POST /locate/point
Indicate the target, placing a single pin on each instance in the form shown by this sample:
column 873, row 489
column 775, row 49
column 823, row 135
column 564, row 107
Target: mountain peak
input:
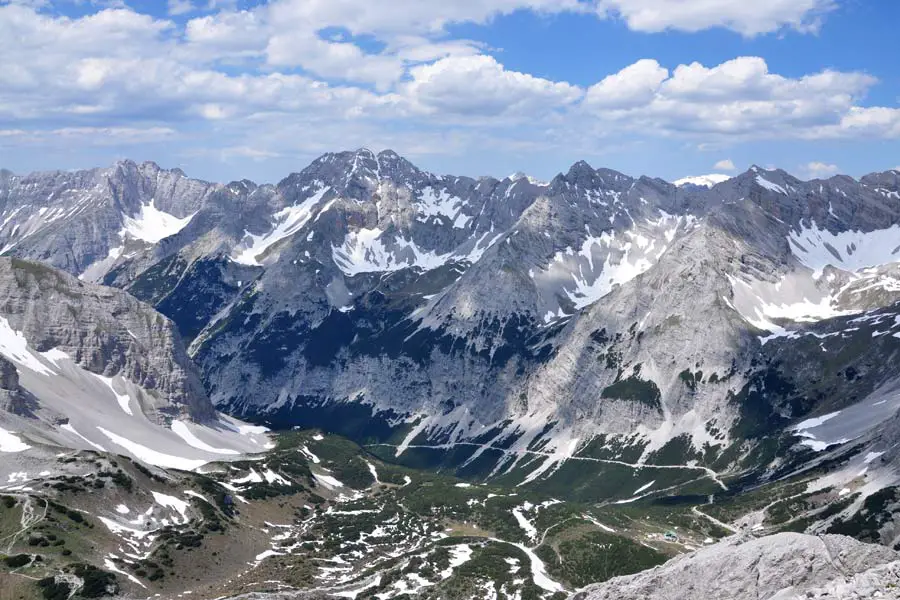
column 580, row 170
column 580, row 166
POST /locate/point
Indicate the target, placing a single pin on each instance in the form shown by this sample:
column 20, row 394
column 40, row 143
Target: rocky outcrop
column 9, row 377
column 103, row 330
column 786, row 566
column 12, row 398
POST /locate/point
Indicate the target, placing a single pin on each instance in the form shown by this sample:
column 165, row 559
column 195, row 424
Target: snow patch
column 644, row 488
column 99, row 268
column 153, row 225
column 706, row 181
column 151, row 456
column 176, row 504
column 433, row 204
column 459, row 555
column 109, row 565
column 124, row 400
column 288, row 221
column 10, row 442
column 180, row 428
column 814, row 422
column 773, row 187
column 308, row 454
column 14, row 346
column 818, row 248
column 366, row 251
column 328, row 481
column 68, row 427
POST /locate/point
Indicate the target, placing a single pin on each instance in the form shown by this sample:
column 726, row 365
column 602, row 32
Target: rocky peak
column 580, row 171
column 397, row 168
column 585, row 179
column 888, row 180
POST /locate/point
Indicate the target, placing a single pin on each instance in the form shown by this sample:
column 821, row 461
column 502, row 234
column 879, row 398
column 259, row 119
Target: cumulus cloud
column 747, row 18
column 265, row 80
column 819, row 170
column 741, row 97
column 725, row 165
column 635, row 85
column 860, row 122
column 328, row 59
column 479, row 85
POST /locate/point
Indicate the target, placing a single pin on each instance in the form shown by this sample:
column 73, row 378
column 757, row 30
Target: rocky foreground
column 786, row 566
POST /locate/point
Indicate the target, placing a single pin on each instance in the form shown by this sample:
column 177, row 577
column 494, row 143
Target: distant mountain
column 503, row 327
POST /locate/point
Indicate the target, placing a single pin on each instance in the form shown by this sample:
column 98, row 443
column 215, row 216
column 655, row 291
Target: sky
column 256, row 89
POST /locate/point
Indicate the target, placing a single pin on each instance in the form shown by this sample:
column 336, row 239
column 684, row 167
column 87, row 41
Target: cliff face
column 103, row 330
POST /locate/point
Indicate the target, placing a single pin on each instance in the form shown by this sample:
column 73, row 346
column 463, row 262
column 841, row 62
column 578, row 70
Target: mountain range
column 627, row 317
column 525, row 370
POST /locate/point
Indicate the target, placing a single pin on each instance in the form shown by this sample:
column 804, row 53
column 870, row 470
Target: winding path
column 706, row 470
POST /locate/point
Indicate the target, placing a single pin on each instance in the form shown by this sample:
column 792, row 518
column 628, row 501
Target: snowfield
column 152, row 225
column 106, row 414
column 10, row 442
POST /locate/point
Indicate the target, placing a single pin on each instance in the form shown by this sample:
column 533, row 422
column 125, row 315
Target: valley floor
column 321, row 515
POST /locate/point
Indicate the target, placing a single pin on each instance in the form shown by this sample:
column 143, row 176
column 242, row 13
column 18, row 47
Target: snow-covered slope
column 90, row 368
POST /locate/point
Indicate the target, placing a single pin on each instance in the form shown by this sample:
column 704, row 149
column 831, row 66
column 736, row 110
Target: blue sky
column 229, row 89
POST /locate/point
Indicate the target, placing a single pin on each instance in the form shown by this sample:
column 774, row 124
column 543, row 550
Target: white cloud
column 341, row 60
column 820, row 170
column 860, row 122
column 384, row 19
column 479, row 85
column 180, row 7
column 269, row 82
column 725, row 165
column 91, row 135
column 742, row 98
column 28, row 3
column 415, row 49
column 746, row 18
column 253, row 153
column 635, row 85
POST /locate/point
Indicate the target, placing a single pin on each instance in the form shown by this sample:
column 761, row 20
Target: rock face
column 367, row 296
column 786, row 566
column 9, row 377
column 89, row 367
column 12, row 399
column 103, row 330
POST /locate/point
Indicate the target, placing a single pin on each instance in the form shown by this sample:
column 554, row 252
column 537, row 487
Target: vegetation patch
column 633, row 389
column 597, row 556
